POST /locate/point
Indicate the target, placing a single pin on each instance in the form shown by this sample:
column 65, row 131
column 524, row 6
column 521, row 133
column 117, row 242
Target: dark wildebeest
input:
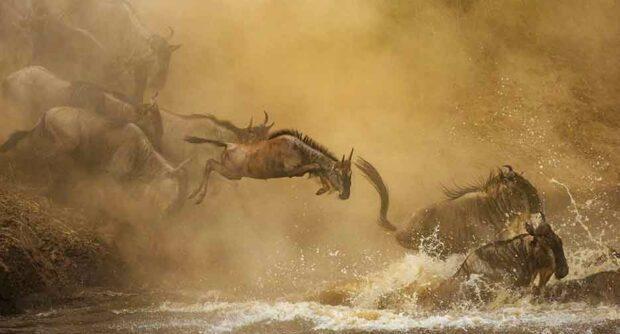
column 118, row 27
column 251, row 133
column 286, row 153
column 519, row 260
column 513, row 263
column 36, row 90
column 66, row 135
column 471, row 216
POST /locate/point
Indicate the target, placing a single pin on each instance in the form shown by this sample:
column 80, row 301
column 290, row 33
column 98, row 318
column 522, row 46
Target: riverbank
column 47, row 251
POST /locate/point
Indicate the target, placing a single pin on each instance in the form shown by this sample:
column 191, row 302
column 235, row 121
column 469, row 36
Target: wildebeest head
column 161, row 51
column 544, row 236
column 340, row 177
column 518, row 183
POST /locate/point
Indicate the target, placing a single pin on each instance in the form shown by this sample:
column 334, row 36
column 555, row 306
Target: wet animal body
column 286, row 153
column 470, row 216
column 66, row 136
column 519, row 260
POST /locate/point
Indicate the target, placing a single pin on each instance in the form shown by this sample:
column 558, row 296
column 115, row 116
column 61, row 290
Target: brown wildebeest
column 36, row 90
column 249, row 134
column 470, row 217
column 286, row 153
column 64, row 136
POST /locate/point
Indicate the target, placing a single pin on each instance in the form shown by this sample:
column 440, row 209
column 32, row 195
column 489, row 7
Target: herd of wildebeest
column 84, row 89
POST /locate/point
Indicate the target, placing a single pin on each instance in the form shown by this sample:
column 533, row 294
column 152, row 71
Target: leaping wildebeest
column 285, row 153
column 470, row 216
column 66, row 136
column 36, row 90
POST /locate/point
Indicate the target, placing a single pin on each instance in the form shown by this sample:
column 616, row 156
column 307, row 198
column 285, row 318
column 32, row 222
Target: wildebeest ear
column 529, row 229
column 174, row 47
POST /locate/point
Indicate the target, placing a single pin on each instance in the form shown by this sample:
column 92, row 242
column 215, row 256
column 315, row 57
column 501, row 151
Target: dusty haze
column 431, row 92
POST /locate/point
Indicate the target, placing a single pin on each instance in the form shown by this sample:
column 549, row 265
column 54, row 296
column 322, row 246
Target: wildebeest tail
column 14, row 138
column 199, row 140
column 372, row 175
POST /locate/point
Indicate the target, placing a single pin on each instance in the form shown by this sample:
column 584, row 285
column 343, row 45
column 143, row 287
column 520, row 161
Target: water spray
column 578, row 215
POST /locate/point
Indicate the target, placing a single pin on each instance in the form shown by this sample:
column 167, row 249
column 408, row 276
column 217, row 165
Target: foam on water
column 507, row 311
column 227, row 317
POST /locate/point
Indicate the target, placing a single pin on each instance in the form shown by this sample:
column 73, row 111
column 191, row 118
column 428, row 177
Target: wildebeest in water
column 285, row 153
column 512, row 263
column 36, row 90
column 519, row 260
column 470, row 216
column 65, row 137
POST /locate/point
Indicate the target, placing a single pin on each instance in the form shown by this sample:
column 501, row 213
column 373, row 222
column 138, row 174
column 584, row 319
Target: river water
column 104, row 311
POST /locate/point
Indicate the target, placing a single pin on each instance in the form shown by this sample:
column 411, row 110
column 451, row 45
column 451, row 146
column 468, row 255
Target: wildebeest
column 511, row 263
column 36, row 90
column 285, row 153
column 249, row 134
column 117, row 26
column 519, row 260
column 66, row 135
column 470, row 217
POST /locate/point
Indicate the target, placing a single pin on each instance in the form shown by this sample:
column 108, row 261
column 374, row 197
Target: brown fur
column 469, row 217
column 285, row 153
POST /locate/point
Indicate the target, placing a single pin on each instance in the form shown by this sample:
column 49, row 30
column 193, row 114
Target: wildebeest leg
column 324, row 188
column 543, row 277
column 212, row 165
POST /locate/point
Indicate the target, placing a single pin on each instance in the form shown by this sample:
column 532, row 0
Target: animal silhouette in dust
column 67, row 137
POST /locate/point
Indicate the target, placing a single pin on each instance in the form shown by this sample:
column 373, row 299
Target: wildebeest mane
column 457, row 191
column 305, row 139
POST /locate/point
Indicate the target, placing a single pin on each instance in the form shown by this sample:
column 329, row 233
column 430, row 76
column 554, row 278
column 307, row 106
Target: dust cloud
column 431, row 92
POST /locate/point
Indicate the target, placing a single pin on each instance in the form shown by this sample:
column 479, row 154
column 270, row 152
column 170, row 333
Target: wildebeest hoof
column 321, row 191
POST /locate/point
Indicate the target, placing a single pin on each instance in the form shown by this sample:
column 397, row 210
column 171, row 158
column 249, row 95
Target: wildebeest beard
column 469, row 217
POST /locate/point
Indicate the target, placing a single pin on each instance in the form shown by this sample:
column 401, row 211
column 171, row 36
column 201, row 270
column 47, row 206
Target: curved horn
column 171, row 33
column 508, row 167
column 266, row 117
column 372, row 175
